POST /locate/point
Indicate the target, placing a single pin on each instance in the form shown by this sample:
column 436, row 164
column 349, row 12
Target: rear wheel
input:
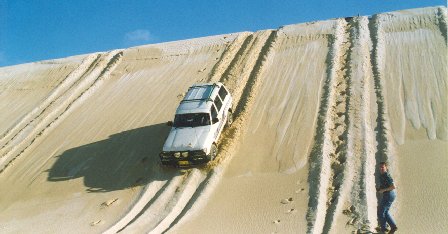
column 229, row 119
column 213, row 152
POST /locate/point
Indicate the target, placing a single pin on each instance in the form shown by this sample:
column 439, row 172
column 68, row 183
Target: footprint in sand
column 276, row 221
column 292, row 210
column 108, row 203
column 300, row 190
column 286, row 200
column 94, row 223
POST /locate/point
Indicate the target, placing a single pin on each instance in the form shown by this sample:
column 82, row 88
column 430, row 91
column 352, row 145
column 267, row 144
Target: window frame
column 211, row 112
column 224, row 91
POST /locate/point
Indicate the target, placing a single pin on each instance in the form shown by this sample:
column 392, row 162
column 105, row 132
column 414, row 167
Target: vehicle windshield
column 191, row 120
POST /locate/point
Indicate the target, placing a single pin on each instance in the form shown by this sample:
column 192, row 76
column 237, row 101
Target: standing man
column 387, row 189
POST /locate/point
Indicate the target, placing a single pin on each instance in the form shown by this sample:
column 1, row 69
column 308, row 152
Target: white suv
column 200, row 118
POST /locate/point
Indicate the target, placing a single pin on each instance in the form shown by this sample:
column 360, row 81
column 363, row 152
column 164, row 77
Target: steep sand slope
column 317, row 106
column 412, row 66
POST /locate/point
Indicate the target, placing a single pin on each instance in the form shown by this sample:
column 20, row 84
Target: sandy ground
column 317, row 106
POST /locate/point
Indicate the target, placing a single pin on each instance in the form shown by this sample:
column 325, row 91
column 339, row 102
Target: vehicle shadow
column 124, row 160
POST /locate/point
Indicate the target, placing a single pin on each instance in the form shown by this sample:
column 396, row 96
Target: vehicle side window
column 214, row 112
column 222, row 92
column 218, row 103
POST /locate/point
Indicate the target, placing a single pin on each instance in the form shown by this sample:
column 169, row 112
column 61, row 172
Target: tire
column 213, row 152
column 229, row 119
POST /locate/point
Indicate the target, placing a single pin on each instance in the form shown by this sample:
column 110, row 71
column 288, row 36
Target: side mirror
column 215, row 120
column 169, row 123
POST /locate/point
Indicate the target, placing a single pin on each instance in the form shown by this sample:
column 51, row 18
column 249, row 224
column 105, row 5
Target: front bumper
column 193, row 158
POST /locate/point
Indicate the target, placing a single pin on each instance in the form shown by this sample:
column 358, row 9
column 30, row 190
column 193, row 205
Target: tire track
column 164, row 207
column 228, row 57
column 339, row 132
column 361, row 141
column 61, row 106
column 383, row 136
column 151, row 192
column 182, row 199
column 160, row 203
column 237, row 74
column 367, row 178
column 170, row 207
column 237, row 60
column 377, row 55
column 327, row 158
column 60, row 89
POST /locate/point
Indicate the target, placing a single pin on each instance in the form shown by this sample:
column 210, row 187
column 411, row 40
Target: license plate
column 184, row 163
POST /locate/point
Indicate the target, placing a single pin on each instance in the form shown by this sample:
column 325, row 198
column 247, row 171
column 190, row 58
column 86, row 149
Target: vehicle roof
column 199, row 98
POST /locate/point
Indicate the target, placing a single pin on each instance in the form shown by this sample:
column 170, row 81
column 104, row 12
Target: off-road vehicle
column 198, row 123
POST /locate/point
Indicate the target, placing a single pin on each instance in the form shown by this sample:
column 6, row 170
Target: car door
column 215, row 128
column 220, row 112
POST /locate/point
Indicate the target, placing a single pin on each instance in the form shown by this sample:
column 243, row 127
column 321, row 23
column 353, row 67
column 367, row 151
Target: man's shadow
column 124, row 160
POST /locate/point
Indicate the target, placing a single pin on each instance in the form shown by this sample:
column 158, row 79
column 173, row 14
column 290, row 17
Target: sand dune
column 317, row 106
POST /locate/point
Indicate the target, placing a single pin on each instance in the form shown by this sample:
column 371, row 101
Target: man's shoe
column 378, row 229
column 393, row 229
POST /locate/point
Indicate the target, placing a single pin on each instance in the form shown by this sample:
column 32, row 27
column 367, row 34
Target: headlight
column 177, row 154
column 184, row 154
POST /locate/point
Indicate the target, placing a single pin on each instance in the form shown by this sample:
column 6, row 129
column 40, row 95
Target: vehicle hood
column 186, row 139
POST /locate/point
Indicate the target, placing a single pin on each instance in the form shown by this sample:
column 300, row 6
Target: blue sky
column 34, row 30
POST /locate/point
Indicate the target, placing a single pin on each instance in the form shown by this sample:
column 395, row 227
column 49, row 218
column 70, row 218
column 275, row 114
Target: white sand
column 317, row 106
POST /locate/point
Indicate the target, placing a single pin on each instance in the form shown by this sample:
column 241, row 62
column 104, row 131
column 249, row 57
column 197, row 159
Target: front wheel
column 213, row 152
